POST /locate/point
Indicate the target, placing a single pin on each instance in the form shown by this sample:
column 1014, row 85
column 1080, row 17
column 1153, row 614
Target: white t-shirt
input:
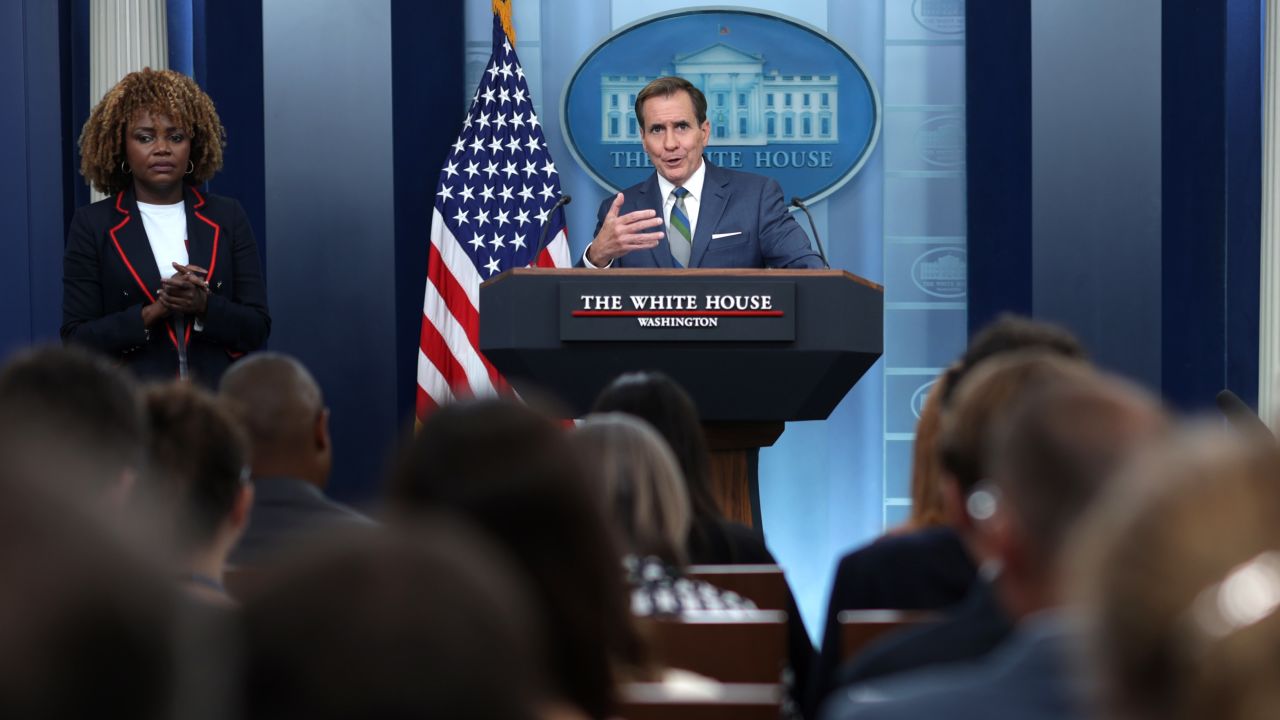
column 166, row 227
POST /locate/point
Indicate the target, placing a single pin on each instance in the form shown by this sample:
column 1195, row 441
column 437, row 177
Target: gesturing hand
column 186, row 292
column 621, row 234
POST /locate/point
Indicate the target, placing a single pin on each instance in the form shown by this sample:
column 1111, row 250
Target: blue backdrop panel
column 1212, row 196
column 330, row 216
column 227, row 62
column 1096, row 184
column 1243, row 133
column 426, row 75
column 998, row 112
column 32, row 188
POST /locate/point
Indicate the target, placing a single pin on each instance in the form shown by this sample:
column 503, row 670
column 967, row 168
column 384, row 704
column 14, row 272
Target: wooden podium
column 754, row 348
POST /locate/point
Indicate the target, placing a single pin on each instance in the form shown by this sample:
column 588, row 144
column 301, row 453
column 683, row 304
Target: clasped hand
column 186, row 292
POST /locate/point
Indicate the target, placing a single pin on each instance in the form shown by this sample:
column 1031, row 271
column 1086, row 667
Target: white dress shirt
column 692, row 202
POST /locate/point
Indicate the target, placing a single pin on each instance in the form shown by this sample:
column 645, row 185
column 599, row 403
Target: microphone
column 542, row 236
column 1240, row 416
column 795, row 202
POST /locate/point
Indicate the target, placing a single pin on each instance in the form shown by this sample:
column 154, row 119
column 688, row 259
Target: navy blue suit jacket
column 1029, row 677
column 927, row 569
column 745, row 212
column 978, row 625
column 109, row 273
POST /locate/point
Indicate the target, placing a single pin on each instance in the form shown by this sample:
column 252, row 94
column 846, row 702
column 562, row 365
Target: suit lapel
column 130, row 240
column 203, row 234
column 651, row 198
column 715, row 198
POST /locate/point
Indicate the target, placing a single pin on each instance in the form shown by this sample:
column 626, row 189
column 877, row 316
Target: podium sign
column 646, row 311
column 755, row 367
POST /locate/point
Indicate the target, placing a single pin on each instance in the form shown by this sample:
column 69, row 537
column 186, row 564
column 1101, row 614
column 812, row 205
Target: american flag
column 495, row 195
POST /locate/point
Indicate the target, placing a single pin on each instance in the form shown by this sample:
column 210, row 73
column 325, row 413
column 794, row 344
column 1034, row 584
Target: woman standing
column 161, row 275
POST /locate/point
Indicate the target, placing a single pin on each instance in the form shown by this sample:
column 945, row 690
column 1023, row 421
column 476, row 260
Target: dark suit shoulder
column 925, row 569
column 219, row 204
column 736, row 178
column 977, row 626
column 722, row 542
column 98, row 213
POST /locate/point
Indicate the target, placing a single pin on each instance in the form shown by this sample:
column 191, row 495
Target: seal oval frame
column 821, row 193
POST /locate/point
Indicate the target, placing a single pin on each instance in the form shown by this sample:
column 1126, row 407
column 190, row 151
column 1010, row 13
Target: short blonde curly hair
column 165, row 92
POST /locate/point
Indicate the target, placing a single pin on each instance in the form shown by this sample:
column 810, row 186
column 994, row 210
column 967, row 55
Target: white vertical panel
column 1269, row 312
column 124, row 36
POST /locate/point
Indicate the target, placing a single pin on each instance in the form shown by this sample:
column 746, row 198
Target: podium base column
column 735, row 458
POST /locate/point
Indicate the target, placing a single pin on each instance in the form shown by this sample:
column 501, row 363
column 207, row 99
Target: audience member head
column 1179, row 575
column 661, row 402
column 86, row 619
column 284, row 416
column 198, row 479
column 429, row 623
column 986, row 397
column 511, row 472
column 642, row 490
column 1010, row 333
column 1049, row 460
column 928, row 506
column 72, row 415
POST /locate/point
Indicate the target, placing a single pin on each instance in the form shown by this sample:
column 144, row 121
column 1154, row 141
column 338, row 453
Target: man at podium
column 691, row 213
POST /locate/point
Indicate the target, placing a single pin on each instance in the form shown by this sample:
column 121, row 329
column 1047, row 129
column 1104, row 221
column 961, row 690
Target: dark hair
column 661, row 402
column 165, row 92
column 640, row 485
column 432, row 623
column 276, row 399
column 1008, row 333
column 67, row 405
column 87, row 619
column 667, row 86
column 510, row 471
column 198, row 459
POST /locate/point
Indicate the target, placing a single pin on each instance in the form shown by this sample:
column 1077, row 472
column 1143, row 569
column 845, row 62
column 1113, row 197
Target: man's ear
column 242, row 506
column 321, row 430
column 119, row 492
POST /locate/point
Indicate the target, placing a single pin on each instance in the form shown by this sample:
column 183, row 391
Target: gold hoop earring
column 191, row 167
column 124, row 167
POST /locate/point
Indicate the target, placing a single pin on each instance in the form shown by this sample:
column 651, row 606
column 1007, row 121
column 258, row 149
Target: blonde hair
column 985, row 397
column 1151, row 571
column 640, row 482
column 927, row 507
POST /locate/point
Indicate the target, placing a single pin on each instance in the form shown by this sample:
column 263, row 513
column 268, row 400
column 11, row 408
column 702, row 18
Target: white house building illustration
column 745, row 106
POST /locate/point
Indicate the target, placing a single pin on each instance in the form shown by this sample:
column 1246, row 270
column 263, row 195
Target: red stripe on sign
column 680, row 313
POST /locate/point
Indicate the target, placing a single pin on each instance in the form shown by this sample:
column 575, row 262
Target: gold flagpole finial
column 503, row 9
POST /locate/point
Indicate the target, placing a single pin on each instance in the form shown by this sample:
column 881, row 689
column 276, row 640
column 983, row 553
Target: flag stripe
column 494, row 197
column 457, row 300
column 436, row 312
column 436, row 348
column 434, row 388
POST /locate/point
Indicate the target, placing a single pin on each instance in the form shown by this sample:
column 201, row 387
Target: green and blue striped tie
column 679, row 236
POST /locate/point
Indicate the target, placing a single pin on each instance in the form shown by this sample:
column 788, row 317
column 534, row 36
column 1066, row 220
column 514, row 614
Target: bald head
column 283, row 412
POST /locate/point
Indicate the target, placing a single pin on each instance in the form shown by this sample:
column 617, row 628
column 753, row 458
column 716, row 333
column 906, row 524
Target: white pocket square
column 717, row 236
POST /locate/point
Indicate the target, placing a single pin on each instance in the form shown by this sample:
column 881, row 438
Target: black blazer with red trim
column 109, row 273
